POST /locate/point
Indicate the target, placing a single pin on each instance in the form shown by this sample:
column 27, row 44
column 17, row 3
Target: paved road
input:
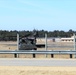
column 37, row 62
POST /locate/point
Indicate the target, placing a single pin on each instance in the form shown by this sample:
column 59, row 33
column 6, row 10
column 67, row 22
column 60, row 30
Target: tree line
column 6, row 35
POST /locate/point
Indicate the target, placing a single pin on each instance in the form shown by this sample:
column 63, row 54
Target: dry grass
column 10, row 45
column 22, row 70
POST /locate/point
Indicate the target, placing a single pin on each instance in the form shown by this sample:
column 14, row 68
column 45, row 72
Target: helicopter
column 29, row 43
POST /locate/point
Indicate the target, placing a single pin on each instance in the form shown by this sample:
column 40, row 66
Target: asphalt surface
column 37, row 62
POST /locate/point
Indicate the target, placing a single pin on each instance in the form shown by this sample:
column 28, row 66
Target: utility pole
column 17, row 41
column 17, row 44
column 75, row 44
column 46, row 43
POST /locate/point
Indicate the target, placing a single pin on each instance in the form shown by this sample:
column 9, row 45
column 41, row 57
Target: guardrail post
column 70, row 55
column 52, row 55
column 15, row 55
column 33, row 55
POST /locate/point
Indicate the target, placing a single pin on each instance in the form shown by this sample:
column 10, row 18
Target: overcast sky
column 38, row 14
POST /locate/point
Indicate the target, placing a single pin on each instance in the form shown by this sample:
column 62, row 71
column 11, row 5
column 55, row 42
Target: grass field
column 10, row 45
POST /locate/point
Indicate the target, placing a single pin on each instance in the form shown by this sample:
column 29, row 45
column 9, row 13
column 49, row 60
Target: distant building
column 70, row 39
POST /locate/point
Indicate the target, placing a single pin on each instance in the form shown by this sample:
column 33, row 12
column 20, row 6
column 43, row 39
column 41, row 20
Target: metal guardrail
column 52, row 52
column 37, row 52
